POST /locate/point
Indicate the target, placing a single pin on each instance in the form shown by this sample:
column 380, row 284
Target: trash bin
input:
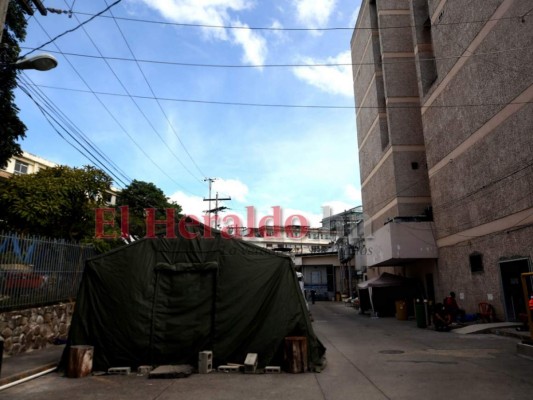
column 401, row 310
column 420, row 314
column 338, row 296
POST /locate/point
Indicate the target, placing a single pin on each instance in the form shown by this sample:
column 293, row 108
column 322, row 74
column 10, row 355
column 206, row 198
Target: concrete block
column 228, row 368
column 205, row 362
column 250, row 364
column 272, row 370
column 119, row 371
column 171, row 372
column 144, row 369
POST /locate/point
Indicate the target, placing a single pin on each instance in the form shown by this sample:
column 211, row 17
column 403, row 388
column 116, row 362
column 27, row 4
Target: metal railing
column 36, row 271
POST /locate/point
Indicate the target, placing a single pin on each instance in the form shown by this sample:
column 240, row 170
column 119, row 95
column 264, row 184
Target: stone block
column 205, row 362
column 250, row 364
column 119, row 371
column 229, row 368
column 144, row 369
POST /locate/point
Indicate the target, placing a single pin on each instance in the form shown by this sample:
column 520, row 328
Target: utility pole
column 3, row 14
column 217, row 208
column 210, row 180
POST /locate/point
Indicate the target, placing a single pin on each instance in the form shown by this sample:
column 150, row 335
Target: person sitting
column 441, row 318
column 457, row 314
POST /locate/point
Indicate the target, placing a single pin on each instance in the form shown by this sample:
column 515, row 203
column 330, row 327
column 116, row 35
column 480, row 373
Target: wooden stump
column 80, row 361
column 296, row 354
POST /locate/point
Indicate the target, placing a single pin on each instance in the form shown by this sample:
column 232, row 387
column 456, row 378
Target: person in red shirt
column 451, row 306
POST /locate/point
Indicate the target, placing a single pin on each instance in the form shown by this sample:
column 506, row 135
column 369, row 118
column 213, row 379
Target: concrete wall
column 34, row 328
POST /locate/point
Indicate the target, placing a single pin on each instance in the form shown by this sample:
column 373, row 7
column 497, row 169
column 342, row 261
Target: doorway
column 513, row 297
column 182, row 314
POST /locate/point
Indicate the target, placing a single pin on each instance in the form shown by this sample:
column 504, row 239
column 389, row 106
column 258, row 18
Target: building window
column 476, row 262
column 21, row 167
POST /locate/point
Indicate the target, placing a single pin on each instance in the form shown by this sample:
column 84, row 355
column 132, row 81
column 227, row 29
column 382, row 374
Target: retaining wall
column 35, row 328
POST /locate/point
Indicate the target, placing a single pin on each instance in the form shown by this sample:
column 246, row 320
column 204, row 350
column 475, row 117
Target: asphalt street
column 367, row 359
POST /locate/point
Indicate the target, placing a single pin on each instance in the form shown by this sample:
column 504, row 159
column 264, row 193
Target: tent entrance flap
column 183, row 312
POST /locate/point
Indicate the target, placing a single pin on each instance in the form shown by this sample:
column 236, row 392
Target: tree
column 140, row 195
column 56, row 202
column 11, row 128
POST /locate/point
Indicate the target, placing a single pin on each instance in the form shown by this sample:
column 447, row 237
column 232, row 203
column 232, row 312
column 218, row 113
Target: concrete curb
column 25, row 374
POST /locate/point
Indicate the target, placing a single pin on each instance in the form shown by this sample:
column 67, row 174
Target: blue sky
column 298, row 158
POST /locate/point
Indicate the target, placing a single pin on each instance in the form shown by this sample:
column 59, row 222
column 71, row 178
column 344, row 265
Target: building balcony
column 400, row 242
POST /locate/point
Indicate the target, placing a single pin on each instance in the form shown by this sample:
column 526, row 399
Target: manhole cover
column 392, row 351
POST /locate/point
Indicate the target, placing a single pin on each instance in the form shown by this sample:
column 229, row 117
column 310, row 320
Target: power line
column 115, row 119
column 49, row 117
column 153, row 94
column 72, row 30
column 294, row 29
column 142, row 113
column 61, row 115
column 274, row 105
column 284, row 65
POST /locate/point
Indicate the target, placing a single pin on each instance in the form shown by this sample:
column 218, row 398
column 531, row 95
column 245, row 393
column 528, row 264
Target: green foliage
column 140, row 195
column 55, row 202
column 12, row 128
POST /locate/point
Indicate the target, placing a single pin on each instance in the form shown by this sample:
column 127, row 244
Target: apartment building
column 29, row 163
column 444, row 93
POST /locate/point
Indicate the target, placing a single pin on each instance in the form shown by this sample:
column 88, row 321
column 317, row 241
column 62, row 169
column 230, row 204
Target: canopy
column 387, row 280
column 161, row 301
column 380, row 293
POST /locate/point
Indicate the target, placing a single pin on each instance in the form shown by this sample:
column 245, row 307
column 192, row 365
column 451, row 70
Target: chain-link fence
column 35, row 271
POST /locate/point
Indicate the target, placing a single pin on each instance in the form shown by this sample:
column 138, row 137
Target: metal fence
column 36, row 271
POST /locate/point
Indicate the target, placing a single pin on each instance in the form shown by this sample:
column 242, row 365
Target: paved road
column 367, row 359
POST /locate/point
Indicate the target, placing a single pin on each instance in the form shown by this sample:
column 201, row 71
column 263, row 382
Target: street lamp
column 41, row 62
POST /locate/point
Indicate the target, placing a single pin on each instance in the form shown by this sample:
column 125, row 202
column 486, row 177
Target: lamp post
column 41, row 62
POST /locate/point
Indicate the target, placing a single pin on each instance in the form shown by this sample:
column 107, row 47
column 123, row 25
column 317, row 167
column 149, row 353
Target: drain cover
column 392, row 351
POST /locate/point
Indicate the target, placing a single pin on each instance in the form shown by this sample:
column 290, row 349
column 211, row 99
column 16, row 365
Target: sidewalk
column 21, row 366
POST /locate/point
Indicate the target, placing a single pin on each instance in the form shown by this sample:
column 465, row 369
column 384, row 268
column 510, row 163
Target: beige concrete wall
column 454, row 269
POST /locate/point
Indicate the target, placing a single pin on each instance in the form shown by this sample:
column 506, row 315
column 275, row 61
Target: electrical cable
column 274, row 105
column 153, row 94
column 116, row 120
column 57, row 111
column 49, row 117
column 296, row 29
column 142, row 113
column 71, row 30
column 286, row 65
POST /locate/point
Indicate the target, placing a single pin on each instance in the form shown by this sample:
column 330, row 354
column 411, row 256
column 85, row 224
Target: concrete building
column 29, row 163
column 289, row 239
column 444, row 92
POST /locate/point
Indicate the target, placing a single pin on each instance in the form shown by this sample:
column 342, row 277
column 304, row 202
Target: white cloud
column 354, row 194
column 230, row 187
column 314, row 13
column 253, row 44
column 334, row 80
column 216, row 12
column 191, row 205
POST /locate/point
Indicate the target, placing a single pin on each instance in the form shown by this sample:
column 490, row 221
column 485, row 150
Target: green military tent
column 160, row 301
